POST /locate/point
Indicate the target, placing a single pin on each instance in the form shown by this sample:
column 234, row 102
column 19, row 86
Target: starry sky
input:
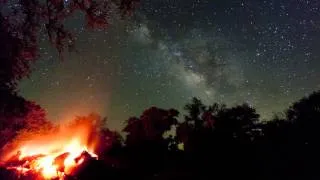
column 262, row 52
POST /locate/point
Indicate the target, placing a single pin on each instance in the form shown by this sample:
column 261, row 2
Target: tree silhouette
column 236, row 122
column 17, row 114
column 22, row 24
column 220, row 138
column 195, row 109
column 305, row 115
column 228, row 142
column 150, row 126
column 290, row 145
column 146, row 148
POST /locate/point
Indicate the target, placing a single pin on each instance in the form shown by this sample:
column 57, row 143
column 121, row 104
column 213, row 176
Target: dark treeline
column 212, row 142
column 215, row 142
column 221, row 143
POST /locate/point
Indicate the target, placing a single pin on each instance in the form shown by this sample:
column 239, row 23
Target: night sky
column 265, row 53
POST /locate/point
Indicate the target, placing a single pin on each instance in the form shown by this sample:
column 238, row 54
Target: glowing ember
column 55, row 155
column 55, row 163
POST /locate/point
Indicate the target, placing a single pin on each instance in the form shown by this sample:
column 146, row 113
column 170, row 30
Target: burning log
column 59, row 162
column 85, row 156
column 66, row 152
column 50, row 167
column 52, row 155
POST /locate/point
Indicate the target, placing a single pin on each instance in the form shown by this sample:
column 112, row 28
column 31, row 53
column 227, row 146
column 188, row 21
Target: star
column 260, row 52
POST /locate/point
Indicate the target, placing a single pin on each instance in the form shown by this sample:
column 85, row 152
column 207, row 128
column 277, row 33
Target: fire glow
column 54, row 155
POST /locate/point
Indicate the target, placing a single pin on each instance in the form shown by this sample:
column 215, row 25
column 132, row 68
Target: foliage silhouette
column 145, row 143
column 23, row 24
column 229, row 143
column 220, row 142
column 21, row 28
column 17, row 114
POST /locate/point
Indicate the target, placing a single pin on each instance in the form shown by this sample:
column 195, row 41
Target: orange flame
column 56, row 154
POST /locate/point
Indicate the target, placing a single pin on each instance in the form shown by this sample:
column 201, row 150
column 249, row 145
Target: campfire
column 53, row 155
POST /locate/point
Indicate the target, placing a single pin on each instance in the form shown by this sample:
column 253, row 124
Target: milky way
column 264, row 53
